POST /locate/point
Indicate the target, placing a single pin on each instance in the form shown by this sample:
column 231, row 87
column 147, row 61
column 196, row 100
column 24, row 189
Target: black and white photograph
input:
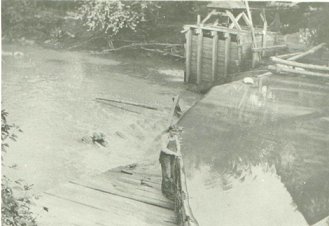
column 164, row 113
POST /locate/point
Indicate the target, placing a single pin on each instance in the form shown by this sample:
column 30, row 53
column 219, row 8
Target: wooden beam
column 237, row 20
column 232, row 18
column 280, row 68
column 246, row 20
column 214, row 55
column 199, row 56
column 287, row 55
column 301, row 65
column 248, row 12
column 188, row 52
column 216, row 28
column 269, row 48
column 227, row 53
column 310, row 51
column 208, row 16
column 255, row 57
column 264, row 37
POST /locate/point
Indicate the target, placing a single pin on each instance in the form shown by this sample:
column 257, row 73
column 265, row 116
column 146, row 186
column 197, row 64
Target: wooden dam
column 226, row 42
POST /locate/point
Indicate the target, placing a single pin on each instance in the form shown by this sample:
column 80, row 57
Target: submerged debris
column 96, row 138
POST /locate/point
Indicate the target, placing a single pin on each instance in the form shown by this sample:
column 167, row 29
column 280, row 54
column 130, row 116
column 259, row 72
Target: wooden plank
column 124, row 191
column 214, row 55
column 199, row 56
column 100, row 204
column 188, row 54
column 227, row 52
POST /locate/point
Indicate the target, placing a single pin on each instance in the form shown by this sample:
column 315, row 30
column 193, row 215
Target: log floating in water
column 310, row 51
column 281, row 68
column 129, row 103
column 302, row 65
column 122, row 108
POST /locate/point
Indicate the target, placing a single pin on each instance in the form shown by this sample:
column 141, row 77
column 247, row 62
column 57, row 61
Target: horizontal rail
column 269, row 48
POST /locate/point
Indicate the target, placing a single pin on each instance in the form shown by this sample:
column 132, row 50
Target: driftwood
column 122, row 108
column 142, row 44
column 302, row 65
column 162, row 52
column 310, row 51
column 128, row 102
column 281, row 68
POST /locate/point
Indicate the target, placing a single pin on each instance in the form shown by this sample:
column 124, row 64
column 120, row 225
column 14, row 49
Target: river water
column 259, row 154
column 51, row 95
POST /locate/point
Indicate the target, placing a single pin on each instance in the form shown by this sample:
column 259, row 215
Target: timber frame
column 213, row 50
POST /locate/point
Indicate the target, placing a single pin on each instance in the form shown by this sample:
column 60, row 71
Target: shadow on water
column 281, row 128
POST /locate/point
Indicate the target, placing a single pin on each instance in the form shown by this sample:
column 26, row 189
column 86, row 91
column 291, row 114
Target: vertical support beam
column 227, row 53
column 239, row 51
column 214, row 55
column 263, row 16
column 188, row 54
column 199, row 56
column 255, row 58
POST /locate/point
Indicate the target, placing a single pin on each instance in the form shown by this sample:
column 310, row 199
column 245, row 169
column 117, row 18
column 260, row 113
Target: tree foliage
column 111, row 17
column 15, row 199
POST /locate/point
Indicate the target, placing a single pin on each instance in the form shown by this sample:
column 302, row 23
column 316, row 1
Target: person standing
column 170, row 150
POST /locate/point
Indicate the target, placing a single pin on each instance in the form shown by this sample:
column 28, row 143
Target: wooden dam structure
column 226, row 42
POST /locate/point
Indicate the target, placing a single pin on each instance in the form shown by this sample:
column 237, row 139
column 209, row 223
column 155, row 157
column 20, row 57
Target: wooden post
column 255, row 56
column 199, row 56
column 214, row 55
column 263, row 16
column 239, row 51
column 188, row 52
column 227, row 53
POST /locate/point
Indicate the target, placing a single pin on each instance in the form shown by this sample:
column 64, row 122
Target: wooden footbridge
column 128, row 195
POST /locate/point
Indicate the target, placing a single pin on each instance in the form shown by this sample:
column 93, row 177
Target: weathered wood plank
column 125, row 190
column 113, row 206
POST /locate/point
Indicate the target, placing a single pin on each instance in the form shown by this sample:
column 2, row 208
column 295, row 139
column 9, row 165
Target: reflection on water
column 260, row 200
column 282, row 127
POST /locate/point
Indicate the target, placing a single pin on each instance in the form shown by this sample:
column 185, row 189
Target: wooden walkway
column 122, row 196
